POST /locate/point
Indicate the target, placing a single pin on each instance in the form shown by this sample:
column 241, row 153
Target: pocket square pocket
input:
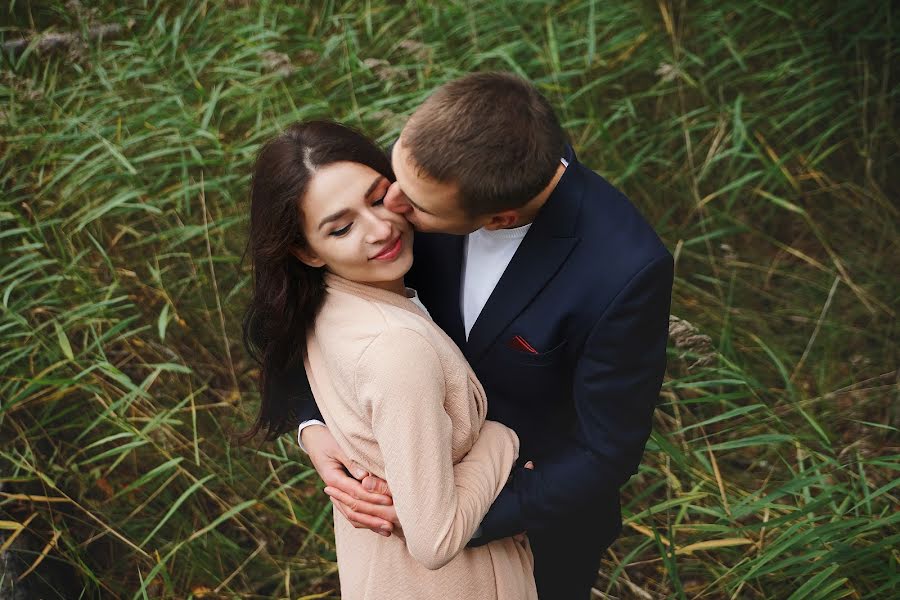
column 521, row 344
column 528, row 356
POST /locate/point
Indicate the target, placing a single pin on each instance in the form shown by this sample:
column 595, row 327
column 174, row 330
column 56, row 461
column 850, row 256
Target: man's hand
column 520, row 537
column 363, row 508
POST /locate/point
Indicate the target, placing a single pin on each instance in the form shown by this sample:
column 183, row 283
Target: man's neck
column 529, row 212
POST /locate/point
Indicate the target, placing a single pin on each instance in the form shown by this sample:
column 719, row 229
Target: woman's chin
column 400, row 266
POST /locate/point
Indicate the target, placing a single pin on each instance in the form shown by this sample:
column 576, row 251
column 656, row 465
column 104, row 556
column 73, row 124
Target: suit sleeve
column 400, row 379
column 290, row 387
column 616, row 386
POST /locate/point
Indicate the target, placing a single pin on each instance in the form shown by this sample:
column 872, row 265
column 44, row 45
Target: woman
column 398, row 395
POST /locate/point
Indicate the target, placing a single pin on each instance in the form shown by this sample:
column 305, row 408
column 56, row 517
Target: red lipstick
column 391, row 251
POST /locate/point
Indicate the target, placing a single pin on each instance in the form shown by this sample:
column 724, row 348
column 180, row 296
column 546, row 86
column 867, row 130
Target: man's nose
column 395, row 200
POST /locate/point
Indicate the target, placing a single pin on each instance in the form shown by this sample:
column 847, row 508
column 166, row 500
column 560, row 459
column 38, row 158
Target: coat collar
column 338, row 283
column 546, row 246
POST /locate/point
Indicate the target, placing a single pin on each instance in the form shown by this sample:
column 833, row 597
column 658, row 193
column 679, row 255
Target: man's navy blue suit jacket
column 589, row 288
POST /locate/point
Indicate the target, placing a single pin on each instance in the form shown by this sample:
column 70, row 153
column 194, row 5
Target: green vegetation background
column 760, row 139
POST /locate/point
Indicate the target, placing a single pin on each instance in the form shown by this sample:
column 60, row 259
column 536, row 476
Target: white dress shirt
column 486, row 257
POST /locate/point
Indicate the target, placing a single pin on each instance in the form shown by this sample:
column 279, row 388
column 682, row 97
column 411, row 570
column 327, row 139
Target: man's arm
column 303, row 426
column 329, row 461
column 439, row 503
column 616, row 387
column 291, row 386
column 365, row 509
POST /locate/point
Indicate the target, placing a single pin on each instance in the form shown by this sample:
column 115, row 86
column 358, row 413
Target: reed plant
column 759, row 139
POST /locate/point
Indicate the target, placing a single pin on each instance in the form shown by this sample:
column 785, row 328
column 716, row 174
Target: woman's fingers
column 355, row 489
column 378, row 518
column 361, row 521
column 376, row 485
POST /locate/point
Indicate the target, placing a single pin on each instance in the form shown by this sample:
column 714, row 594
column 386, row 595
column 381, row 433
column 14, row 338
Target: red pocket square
column 521, row 344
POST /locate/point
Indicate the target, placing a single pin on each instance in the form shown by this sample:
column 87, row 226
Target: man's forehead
column 402, row 160
column 392, row 150
column 425, row 194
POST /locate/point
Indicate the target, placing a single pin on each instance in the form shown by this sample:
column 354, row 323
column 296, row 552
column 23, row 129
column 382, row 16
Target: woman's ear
column 307, row 257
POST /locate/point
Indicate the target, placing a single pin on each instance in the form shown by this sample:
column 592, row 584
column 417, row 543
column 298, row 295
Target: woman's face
column 349, row 231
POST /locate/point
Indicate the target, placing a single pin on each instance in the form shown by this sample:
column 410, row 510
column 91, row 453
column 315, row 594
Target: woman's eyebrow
column 374, row 185
column 341, row 213
column 333, row 217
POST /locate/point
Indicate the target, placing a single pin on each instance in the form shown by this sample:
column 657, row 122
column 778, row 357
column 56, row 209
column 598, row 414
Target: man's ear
column 307, row 257
column 503, row 220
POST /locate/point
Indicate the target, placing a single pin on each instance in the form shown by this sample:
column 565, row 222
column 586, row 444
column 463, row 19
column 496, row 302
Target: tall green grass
column 759, row 139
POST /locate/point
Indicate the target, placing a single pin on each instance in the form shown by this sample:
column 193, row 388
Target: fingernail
column 368, row 485
column 385, row 529
column 359, row 473
column 328, row 490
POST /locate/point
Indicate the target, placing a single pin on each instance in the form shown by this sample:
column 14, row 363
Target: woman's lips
column 391, row 251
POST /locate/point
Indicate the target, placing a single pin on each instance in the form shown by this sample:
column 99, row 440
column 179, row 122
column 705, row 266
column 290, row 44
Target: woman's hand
column 364, row 509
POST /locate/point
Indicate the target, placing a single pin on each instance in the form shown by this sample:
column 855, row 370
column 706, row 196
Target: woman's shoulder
column 358, row 319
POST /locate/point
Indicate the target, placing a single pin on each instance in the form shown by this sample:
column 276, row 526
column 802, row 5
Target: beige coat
column 401, row 400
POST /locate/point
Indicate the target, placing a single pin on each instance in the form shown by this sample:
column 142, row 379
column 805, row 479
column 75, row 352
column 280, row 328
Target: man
column 556, row 290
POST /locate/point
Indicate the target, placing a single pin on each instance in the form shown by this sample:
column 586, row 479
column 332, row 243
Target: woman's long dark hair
column 287, row 293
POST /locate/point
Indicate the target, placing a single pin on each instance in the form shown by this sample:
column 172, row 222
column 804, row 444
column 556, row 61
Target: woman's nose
column 379, row 229
column 395, row 200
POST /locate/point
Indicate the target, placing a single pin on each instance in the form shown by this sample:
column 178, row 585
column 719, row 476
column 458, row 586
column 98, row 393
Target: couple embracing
column 489, row 380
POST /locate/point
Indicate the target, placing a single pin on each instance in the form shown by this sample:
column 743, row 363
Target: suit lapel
column 541, row 254
column 437, row 277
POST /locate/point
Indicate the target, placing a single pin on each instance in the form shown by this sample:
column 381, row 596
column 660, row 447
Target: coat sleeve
column 616, row 385
column 290, row 388
column 401, row 380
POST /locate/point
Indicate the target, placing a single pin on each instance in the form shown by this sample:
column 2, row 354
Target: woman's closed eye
column 342, row 231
